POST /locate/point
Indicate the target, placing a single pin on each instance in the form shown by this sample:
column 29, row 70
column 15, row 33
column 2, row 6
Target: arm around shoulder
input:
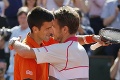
column 88, row 39
column 23, row 50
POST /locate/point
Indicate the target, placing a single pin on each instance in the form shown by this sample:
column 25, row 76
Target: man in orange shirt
column 40, row 24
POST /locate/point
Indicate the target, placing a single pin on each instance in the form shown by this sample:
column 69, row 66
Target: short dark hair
column 67, row 16
column 37, row 16
column 22, row 10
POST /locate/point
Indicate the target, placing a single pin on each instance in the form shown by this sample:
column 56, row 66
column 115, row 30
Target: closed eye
column 49, row 27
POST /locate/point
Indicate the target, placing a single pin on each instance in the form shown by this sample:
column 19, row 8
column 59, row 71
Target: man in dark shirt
column 11, row 12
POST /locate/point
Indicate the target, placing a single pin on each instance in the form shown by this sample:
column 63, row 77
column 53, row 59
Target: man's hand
column 96, row 38
column 99, row 43
column 12, row 41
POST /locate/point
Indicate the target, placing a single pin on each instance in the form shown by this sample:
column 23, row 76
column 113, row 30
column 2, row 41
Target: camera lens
column 5, row 33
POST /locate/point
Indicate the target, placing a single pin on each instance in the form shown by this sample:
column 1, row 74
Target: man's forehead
column 47, row 24
column 55, row 21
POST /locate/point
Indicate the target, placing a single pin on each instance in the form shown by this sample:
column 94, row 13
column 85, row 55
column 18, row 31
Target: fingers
column 98, row 44
column 95, row 46
column 105, row 43
column 10, row 47
column 12, row 41
column 97, row 38
column 19, row 38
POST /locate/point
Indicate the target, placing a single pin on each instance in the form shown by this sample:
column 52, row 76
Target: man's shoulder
column 30, row 42
column 51, row 41
column 25, row 41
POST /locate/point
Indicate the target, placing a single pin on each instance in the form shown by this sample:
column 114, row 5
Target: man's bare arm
column 23, row 50
column 82, row 41
column 27, row 52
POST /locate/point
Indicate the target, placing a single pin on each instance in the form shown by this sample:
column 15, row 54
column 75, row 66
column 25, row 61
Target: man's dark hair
column 22, row 10
column 37, row 16
column 67, row 16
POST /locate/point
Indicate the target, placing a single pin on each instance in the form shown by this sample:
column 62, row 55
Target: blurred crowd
column 94, row 15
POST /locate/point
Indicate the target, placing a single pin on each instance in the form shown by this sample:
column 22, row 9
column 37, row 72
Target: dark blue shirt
column 12, row 10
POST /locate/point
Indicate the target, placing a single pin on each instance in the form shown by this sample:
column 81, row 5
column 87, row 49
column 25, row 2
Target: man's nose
column 51, row 31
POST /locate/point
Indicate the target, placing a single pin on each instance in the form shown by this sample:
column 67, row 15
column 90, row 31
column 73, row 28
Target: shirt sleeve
column 50, row 54
column 108, row 10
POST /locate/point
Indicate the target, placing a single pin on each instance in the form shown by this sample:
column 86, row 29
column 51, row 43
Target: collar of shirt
column 32, row 42
column 73, row 38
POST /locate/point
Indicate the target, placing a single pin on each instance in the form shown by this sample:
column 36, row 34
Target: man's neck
column 35, row 38
column 24, row 27
column 66, row 37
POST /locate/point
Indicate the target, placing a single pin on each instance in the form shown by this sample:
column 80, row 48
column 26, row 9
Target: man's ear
column 35, row 29
column 65, row 29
